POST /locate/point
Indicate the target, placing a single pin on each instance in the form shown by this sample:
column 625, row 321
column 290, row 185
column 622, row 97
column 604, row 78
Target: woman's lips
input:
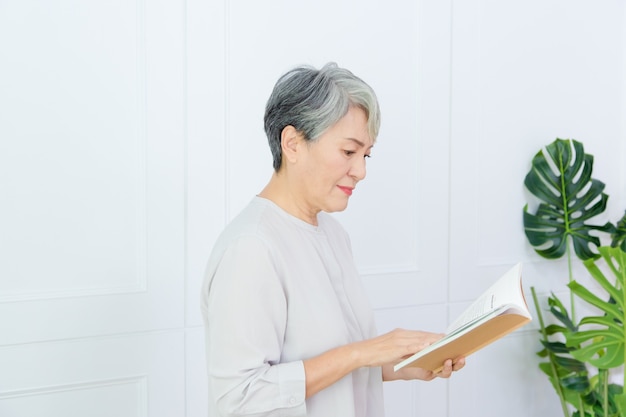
column 347, row 190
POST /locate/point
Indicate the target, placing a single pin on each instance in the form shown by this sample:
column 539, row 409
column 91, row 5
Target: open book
column 497, row 312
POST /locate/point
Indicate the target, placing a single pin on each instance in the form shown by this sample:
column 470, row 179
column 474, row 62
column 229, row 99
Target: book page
column 505, row 291
column 498, row 311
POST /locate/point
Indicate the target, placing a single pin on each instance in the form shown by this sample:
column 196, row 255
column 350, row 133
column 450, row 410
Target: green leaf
column 577, row 383
column 601, row 340
column 559, row 311
column 615, row 294
column 603, row 321
column 582, row 292
column 553, row 329
column 546, row 368
column 560, row 177
column 620, row 401
column 570, row 364
column 556, row 347
column 604, row 353
column 619, row 234
column 615, row 389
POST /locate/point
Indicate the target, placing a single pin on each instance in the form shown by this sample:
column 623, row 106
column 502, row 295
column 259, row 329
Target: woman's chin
column 336, row 207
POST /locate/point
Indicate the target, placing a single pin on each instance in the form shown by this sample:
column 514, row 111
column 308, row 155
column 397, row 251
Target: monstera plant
column 580, row 356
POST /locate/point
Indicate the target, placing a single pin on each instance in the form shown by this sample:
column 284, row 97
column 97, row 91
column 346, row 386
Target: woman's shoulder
column 259, row 220
column 249, row 223
column 242, row 234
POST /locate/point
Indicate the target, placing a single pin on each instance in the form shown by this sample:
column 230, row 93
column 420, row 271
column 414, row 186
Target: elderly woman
column 289, row 329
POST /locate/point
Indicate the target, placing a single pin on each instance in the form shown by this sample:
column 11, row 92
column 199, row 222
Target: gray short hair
column 313, row 100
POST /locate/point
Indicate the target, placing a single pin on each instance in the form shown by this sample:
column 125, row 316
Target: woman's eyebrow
column 361, row 144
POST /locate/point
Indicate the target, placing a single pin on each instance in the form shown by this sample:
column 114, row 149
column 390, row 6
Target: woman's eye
column 368, row 156
column 349, row 153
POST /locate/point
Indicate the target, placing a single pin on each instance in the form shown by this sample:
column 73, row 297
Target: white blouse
column 277, row 291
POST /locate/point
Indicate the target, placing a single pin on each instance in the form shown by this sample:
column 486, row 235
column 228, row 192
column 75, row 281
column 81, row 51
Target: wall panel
column 134, row 375
column 60, row 216
column 126, row 397
column 93, row 210
column 206, row 142
column 196, row 397
column 519, row 80
column 496, row 382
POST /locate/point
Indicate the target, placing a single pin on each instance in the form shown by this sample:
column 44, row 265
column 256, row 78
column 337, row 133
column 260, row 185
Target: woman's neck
column 284, row 195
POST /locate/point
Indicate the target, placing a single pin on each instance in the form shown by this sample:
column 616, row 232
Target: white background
column 131, row 132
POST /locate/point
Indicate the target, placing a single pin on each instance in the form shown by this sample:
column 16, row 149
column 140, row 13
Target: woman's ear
column 289, row 142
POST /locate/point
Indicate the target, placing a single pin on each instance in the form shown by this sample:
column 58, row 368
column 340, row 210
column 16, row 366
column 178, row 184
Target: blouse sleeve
column 247, row 316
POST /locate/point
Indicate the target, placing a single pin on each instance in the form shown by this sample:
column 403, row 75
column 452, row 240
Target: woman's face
column 331, row 166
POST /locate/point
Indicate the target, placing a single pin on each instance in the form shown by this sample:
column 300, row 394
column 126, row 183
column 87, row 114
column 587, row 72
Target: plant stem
column 581, row 406
column 571, row 278
column 555, row 375
column 620, row 257
column 604, row 380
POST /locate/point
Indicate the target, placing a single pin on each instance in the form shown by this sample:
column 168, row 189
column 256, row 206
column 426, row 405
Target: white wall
column 131, row 132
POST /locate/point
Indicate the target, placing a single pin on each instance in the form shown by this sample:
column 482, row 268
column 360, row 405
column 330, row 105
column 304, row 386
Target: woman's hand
column 423, row 374
column 386, row 350
column 392, row 347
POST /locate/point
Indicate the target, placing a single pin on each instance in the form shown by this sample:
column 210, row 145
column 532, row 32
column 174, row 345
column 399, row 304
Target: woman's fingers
column 449, row 366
